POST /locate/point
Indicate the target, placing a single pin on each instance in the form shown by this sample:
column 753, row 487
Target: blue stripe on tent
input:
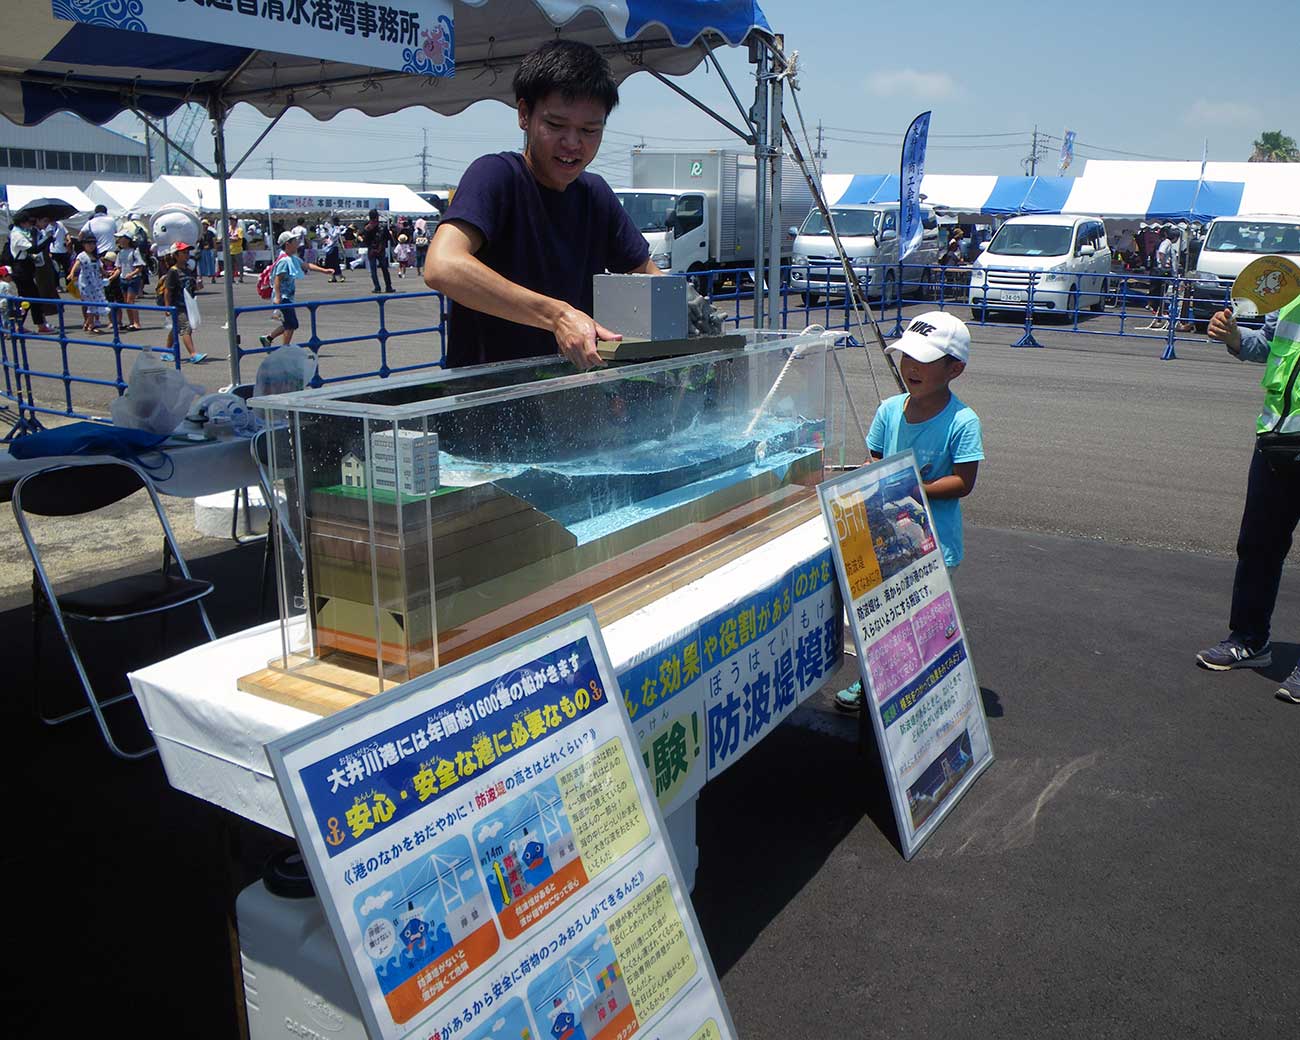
column 862, row 189
column 686, row 19
column 99, row 45
column 1046, row 194
column 40, row 101
column 1194, row 200
column 887, row 190
column 1007, row 196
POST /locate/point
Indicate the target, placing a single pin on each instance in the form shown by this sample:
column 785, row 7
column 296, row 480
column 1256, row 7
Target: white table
column 199, row 468
column 211, row 735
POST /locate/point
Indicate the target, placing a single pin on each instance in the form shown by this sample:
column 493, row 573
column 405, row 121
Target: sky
column 1132, row 80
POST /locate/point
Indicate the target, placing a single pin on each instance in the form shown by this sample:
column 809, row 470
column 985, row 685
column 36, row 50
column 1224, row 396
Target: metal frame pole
column 774, row 156
column 758, row 117
column 217, row 112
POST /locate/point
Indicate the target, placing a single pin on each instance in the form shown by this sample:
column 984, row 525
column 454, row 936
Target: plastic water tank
column 295, row 985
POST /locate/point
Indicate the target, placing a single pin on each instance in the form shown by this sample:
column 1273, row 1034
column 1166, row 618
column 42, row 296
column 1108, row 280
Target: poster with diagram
column 491, row 857
column 919, row 683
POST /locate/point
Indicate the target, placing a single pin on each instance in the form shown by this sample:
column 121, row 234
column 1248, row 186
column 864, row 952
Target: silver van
column 869, row 235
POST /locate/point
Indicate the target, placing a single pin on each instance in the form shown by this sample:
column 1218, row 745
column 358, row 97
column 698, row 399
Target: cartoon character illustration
column 414, row 931
column 563, row 1026
column 533, row 854
column 1270, row 284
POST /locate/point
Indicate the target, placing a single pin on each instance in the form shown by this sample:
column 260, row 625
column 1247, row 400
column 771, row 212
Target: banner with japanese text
column 918, row 681
column 709, row 693
column 911, row 171
column 403, row 35
column 325, row 203
column 491, row 859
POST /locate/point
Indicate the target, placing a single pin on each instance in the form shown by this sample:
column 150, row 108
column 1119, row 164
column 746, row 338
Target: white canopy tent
column 21, row 194
column 251, row 195
column 119, row 196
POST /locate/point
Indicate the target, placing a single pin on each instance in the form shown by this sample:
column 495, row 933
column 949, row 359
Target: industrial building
column 65, row 150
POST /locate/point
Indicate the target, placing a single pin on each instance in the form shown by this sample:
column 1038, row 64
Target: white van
column 1065, row 257
column 869, row 235
column 1230, row 244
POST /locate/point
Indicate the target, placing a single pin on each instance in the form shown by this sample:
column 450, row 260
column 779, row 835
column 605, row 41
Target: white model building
column 354, row 471
column 418, row 454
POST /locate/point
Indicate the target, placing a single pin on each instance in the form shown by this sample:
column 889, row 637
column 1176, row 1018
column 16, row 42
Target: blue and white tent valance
column 48, row 64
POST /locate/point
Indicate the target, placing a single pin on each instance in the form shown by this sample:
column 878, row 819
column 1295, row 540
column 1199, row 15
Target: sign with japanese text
column 911, row 172
column 403, row 35
column 708, row 694
column 491, row 858
column 324, row 203
column 918, row 681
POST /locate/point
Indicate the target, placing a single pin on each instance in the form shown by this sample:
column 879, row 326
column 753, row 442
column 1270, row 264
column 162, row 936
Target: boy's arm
column 958, row 484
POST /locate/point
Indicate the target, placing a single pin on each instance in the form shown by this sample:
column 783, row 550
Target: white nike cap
column 933, row 335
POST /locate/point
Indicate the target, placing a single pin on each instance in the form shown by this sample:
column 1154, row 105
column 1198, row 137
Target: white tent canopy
column 253, row 195
column 21, row 194
column 119, row 196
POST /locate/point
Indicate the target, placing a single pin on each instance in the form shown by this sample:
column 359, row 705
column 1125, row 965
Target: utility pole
column 271, row 163
column 821, row 151
column 424, row 163
column 1030, row 162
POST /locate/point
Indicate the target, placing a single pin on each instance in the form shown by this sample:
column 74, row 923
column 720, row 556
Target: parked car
column 1065, row 258
column 1230, row 244
column 869, row 235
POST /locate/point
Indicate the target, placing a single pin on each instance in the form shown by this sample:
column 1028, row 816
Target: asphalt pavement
column 1124, row 868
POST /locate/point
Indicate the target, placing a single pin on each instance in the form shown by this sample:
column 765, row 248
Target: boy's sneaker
column 1290, row 688
column 1233, row 653
column 850, row 699
column 264, row 340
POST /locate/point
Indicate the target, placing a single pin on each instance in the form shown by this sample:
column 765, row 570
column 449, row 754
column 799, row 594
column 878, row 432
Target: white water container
column 295, row 987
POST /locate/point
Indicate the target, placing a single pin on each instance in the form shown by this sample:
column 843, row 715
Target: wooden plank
column 632, row 349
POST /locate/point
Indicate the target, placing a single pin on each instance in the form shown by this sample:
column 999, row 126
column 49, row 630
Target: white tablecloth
column 198, row 469
column 211, row 736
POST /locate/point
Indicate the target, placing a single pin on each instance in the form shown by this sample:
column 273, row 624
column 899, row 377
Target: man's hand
column 1223, row 327
column 577, row 334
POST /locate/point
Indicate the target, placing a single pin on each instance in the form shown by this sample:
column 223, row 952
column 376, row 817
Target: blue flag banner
column 1067, row 150
column 910, row 173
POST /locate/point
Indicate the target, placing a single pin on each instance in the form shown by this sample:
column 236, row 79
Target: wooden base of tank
column 615, row 589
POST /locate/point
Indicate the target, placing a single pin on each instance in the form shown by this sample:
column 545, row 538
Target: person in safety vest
column 1272, row 508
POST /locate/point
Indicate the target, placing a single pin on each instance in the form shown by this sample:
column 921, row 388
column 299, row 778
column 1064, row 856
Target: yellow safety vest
column 1281, row 412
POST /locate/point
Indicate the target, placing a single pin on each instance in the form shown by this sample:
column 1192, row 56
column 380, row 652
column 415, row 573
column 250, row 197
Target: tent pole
column 759, row 119
column 774, row 154
column 217, row 113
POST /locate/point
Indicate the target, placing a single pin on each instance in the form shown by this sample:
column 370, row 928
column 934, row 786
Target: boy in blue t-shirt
column 284, row 282
column 941, row 431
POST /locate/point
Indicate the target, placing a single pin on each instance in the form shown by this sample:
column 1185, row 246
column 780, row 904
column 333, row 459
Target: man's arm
column 451, row 267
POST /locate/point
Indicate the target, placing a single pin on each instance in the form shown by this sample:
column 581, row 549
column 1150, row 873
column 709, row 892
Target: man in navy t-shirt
column 524, row 235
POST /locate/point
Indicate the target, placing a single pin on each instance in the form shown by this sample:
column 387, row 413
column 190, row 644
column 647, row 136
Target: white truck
column 697, row 210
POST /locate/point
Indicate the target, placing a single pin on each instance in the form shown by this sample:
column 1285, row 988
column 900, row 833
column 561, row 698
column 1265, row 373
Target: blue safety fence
column 314, row 318
column 41, row 370
column 1111, row 302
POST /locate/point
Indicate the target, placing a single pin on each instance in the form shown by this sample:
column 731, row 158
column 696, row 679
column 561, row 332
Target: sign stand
column 918, row 682
column 490, row 856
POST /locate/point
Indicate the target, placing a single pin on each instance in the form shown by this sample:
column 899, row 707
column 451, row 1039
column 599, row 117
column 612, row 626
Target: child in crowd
column 130, row 278
column 9, row 309
column 404, row 254
column 172, row 282
column 941, row 431
column 284, row 283
column 88, row 273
